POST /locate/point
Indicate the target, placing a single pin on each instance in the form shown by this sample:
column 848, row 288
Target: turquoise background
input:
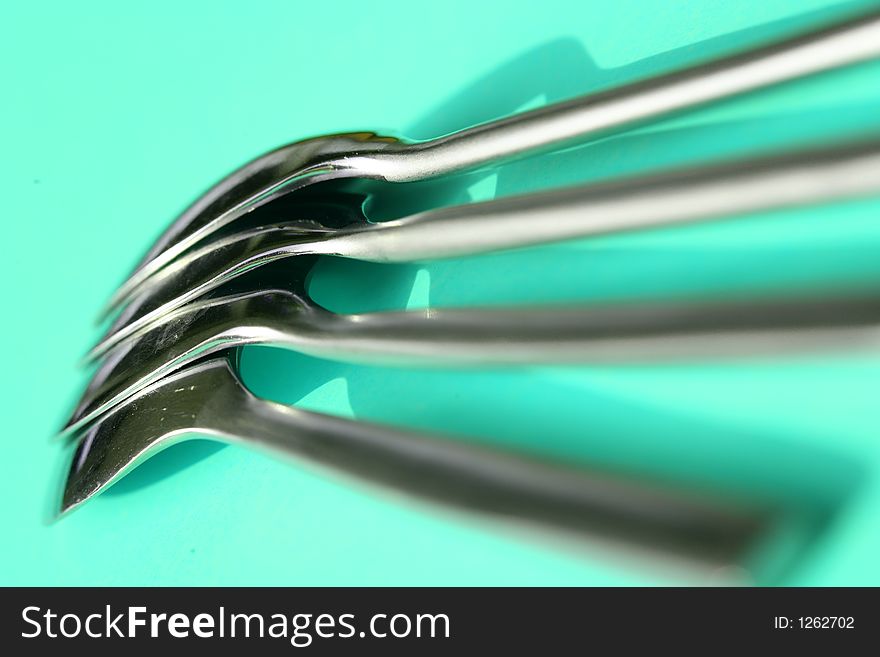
column 114, row 117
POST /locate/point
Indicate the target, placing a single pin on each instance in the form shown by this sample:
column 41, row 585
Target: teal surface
column 114, row 117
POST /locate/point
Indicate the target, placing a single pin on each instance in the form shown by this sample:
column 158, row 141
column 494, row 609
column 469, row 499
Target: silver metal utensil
column 270, row 306
column 368, row 156
column 208, row 399
column 796, row 178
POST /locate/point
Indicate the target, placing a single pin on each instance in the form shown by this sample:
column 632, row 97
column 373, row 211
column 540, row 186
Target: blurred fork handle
column 608, row 334
column 792, row 179
column 501, row 483
column 847, row 42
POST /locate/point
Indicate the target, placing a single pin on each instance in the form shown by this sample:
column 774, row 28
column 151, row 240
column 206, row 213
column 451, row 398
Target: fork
column 369, row 156
column 705, row 192
column 271, row 306
column 209, row 399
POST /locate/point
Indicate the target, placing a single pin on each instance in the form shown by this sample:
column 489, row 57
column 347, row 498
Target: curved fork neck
column 793, row 179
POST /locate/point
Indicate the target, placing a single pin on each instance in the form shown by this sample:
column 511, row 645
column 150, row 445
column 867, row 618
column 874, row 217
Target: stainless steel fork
column 704, row 192
column 366, row 155
column 208, row 399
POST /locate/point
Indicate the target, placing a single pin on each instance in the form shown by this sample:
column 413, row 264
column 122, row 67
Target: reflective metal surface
column 278, row 311
column 706, row 192
column 367, row 155
column 170, row 368
column 210, row 399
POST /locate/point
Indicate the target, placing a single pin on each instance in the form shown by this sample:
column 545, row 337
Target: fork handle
column 500, row 482
column 792, row 179
column 847, row 42
column 614, row 334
